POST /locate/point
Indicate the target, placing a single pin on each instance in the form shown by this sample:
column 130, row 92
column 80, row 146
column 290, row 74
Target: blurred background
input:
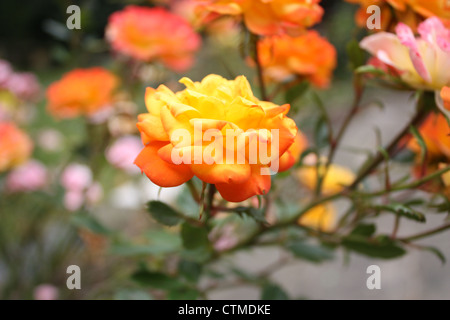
column 40, row 236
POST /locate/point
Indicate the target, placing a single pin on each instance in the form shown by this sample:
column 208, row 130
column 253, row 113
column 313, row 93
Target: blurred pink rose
column 76, row 177
column 46, row 292
column 95, row 193
column 24, row 85
column 73, row 200
column 122, row 153
column 30, row 176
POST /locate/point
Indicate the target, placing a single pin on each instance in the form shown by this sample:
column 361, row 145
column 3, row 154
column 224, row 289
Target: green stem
column 426, row 234
column 422, row 112
column 259, row 68
column 359, row 91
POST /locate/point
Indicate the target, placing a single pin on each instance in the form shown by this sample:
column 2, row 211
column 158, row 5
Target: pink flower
column 424, row 61
column 76, row 177
column 46, row 292
column 31, row 176
column 5, row 72
column 80, row 188
column 73, row 199
column 24, row 85
column 123, row 152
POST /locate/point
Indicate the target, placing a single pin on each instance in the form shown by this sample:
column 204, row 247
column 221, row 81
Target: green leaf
column 132, row 294
column 321, row 133
column 437, row 252
column 402, row 210
column 271, row 291
column 194, row 237
column 309, row 252
column 155, row 280
column 296, row 92
column 183, row 294
column 87, row 221
column 355, row 54
column 383, row 248
column 190, row 270
column 421, row 142
column 366, row 230
column 254, row 213
column 370, row 70
column 164, row 214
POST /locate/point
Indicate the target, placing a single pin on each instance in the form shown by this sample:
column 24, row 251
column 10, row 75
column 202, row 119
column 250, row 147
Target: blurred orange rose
column 81, row 92
column 15, row 146
column 229, row 110
column 410, row 12
column 150, row 34
column 266, row 17
column 435, row 131
column 309, row 56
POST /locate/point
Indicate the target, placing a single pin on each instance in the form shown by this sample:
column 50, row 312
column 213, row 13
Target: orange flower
column 309, row 56
column 410, row 12
column 292, row 155
column 15, row 146
column 150, row 34
column 81, row 92
column 435, row 131
column 266, row 17
column 176, row 127
column 445, row 95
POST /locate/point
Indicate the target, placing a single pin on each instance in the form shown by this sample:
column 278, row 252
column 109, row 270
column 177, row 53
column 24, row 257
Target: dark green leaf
column 183, row 294
column 309, row 252
column 402, row 210
column 194, row 237
column 297, row 91
column 252, row 212
column 155, row 280
column 190, row 270
column 164, row 214
column 355, row 54
column 437, row 252
column 132, row 294
column 365, row 230
column 376, row 248
column 271, row 291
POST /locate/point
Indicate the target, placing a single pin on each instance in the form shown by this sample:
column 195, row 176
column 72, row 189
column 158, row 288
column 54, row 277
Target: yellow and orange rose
column 82, row 92
column 15, row 146
column 227, row 108
column 266, row 17
column 153, row 34
column 308, row 56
